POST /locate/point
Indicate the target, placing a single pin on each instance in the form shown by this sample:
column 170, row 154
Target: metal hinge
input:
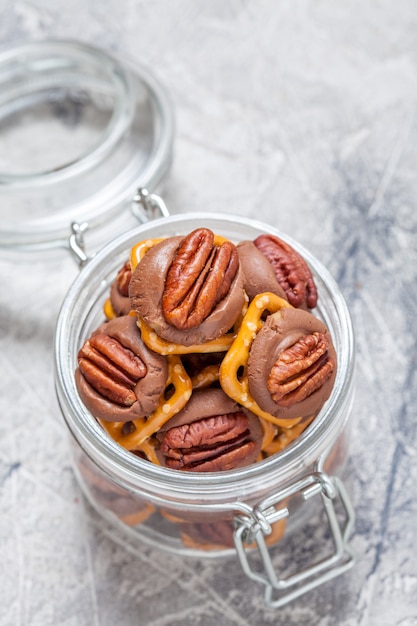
column 146, row 206
column 253, row 527
column 76, row 242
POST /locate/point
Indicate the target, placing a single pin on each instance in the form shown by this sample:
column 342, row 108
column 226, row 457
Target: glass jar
column 212, row 514
column 110, row 129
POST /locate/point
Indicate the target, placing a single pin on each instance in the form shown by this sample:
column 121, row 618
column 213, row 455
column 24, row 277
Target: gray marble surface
column 299, row 113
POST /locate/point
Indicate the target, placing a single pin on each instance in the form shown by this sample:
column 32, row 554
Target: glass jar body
column 200, row 529
column 186, row 512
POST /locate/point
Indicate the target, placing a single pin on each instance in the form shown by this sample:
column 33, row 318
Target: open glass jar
column 211, row 513
column 112, row 125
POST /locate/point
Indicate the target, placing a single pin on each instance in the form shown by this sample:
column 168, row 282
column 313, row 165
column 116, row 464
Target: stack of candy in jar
column 210, row 358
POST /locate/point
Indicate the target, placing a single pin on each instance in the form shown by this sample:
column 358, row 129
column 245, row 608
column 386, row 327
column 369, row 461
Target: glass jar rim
column 132, row 470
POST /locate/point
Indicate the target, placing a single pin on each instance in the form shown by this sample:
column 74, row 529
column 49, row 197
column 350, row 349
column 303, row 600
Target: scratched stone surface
column 298, row 113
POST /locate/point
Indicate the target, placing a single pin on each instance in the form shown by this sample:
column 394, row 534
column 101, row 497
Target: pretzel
column 161, row 346
column 146, row 427
column 140, row 249
column 205, row 377
column 133, row 519
column 269, row 432
column 285, row 436
column 236, row 385
column 108, row 310
column 148, row 449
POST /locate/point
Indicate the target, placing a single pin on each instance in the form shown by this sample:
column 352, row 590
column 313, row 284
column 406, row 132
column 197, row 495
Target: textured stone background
column 299, row 113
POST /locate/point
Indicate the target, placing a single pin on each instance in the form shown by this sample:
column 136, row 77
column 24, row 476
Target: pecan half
column 199, row 277
column 211, row 433
column 291, row 271
column 300, row 370
column 119, row 378
column 123, row 279
column 211, row 444
column 119, row 291
column 292, row 364
column 110, row 368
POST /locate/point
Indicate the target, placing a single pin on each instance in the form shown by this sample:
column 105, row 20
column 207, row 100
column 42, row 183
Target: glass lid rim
column 50, row 231
column 119, row 79
column 318, row 432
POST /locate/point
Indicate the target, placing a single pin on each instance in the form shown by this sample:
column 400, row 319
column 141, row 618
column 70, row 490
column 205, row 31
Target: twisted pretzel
column 148, row 449
column 285, row 436
column 234, row 383
column 108, row 310
column 141, row 248
column 206, row 377
column 133, row 519
column 269, row 432
column 146, row 427
column 161, row 346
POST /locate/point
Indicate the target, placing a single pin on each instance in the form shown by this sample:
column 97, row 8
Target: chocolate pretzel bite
column 137, row 435
column 292, row 364
column 118, row 378
column 258, row 273
column 211, row 433
column 282, row 363
column 189, row 290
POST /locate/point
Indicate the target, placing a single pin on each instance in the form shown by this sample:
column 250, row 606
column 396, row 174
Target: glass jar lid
column 80, row 131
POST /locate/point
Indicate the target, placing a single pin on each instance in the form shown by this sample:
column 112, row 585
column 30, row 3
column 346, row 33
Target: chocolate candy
column 188, row 297
column 292, row 364
column 118, row 378
column 211, row 433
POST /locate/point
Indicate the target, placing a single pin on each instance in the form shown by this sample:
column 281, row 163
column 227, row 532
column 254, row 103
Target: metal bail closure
column 148, row 206
column 76, row 242
column 253, row 526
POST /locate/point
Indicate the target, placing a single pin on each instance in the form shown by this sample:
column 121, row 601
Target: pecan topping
column 199, row 277
column 292, row 272
column 300, row 370
column 214, row 443
column 111, row 369
column 119, row 292
column 123, row 279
